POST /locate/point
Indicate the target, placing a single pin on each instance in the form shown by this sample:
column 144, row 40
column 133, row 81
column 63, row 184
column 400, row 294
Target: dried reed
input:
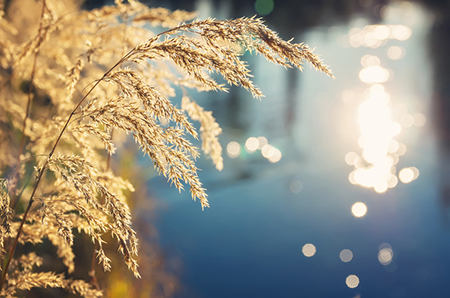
column 74, row 99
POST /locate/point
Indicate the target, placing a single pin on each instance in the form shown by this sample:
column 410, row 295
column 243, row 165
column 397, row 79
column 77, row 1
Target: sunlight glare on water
column 379, row 147
column 375, row 166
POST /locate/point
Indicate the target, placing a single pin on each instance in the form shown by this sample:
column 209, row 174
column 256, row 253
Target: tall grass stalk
column 74, row 186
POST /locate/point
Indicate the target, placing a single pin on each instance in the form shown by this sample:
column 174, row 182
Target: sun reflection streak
column 376, row 167
column 376, row 170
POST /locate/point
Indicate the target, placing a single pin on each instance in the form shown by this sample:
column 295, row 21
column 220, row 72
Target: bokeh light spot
column 251, row 145
column 395, row 52
column 381, row 32
column 401, row 32
column 308, row 250
column 350, row 158
column 385, row 256
column 419, row 119
column 407, row 120
column 351, row 177
column 393, row 181
column 296, row 186
column 406, row 175
column 276, row 156
column 393, row 146
column 359, row 209
column 384, row 245
column 264, row 7
column 262, row 141
column 356, row 37
column 370, row 40
column 352, row 281
column 268, row 151
column 346, row 255
column 369, row 60
column 381, row 186
column 401, row 149
column 415, row 171
column 233, row 149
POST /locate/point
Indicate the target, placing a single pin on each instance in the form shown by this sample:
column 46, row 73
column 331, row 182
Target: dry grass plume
column 71, row 78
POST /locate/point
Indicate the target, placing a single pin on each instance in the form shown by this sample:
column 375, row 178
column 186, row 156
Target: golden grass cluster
column 71, row 78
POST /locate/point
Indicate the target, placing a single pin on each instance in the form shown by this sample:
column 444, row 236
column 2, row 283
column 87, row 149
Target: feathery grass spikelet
column 70, row 67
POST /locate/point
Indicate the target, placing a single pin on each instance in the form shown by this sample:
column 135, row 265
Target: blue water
column 249, row 243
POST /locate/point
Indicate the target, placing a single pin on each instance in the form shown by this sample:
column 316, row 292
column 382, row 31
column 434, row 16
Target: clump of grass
column 73, row 79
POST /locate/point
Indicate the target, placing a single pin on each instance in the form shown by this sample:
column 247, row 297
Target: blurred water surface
column 331, row 188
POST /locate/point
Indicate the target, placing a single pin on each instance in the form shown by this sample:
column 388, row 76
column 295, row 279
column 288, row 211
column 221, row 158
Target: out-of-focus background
column 331, row 188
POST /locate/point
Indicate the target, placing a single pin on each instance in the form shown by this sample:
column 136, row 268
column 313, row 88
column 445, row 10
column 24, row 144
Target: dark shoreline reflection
column 439, row 49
